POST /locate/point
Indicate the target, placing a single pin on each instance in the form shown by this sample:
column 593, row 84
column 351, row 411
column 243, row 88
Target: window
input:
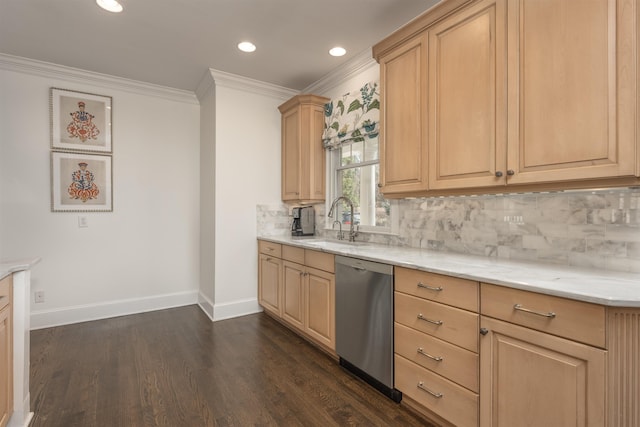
column 354, row 173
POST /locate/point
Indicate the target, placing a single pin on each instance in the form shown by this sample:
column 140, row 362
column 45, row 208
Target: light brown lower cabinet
column 269, row 289
column 320, row 307
column 298, row 288
column 542, row 360
column 6, row 351
column 530, row 378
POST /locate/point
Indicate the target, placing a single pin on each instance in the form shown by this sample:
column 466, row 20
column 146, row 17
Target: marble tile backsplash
column 598, row 228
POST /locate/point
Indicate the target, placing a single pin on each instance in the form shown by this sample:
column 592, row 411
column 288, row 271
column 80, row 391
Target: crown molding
column 339, row 75
column 75, row 75
column 219, row 78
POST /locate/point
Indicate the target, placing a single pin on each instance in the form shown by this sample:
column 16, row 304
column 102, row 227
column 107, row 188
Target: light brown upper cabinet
column 303, row 157
column 572, row 89
column 533, row 94
column 467, row 97
column 403, row 152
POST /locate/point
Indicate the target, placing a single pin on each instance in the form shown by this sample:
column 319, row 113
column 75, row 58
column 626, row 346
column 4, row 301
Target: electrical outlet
column 38, row 297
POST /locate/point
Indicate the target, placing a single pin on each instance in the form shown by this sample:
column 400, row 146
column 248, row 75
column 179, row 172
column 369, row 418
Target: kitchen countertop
column 11, row 266
column 610, row 288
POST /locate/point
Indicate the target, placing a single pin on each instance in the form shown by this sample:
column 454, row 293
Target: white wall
column 141, row 256
column 247, row 173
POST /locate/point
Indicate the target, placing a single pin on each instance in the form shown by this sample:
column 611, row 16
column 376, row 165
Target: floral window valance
column 354, row 117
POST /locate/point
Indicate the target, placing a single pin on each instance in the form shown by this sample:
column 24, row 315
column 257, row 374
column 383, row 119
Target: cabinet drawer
column 293, row 254
column 450, row 361
column 456, row 404
column 449, row 290
column 319, row 260
column 5, row 291
column 451, row 324
column 269, row 248
column 575, row 320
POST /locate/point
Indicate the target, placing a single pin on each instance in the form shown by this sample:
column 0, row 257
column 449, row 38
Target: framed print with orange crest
column 80, row 122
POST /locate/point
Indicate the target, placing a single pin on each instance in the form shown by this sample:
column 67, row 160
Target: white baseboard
column 21, row 417
column 236, row 309
column 84, row 313
column 206, row 305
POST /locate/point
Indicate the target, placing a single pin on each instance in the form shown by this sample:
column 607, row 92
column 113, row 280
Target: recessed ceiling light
column 246, row 46
column 110, row 5
column 337, row 51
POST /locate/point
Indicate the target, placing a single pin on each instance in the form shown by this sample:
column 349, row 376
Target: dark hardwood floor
column 176, row 368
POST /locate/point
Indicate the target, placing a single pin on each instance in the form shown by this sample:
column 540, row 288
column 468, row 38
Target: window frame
column 334, row 166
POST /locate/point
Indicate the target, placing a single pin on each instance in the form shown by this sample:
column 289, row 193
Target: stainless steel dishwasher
column 364, row 321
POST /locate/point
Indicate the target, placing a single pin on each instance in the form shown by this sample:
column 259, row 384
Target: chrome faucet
column 352, row 233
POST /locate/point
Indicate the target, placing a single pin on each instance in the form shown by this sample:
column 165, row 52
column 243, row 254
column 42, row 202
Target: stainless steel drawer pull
column 432, row 393
column 431, row 288
column 549, row 314
column 435, row 322
column 269, row 249
column 436, row 358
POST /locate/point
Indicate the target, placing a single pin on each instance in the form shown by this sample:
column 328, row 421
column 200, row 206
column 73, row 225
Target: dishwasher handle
column 362, row 265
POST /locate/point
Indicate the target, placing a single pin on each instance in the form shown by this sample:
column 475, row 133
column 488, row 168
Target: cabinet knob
column 510, row 172
column 498, row 174
column 379, row 185
column 484, row 331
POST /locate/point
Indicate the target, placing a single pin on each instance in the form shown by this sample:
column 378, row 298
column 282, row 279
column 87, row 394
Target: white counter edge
column 604, row 287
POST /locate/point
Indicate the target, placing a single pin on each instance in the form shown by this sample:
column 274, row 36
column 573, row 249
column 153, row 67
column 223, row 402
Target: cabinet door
column 6, row 366
column 572, row 89
column 269, row 271
column 403, row 150
column 291, row 155
column 293, row 293
column 320, row 307
column 467, row 103
column 529, row 378
column 316, row 170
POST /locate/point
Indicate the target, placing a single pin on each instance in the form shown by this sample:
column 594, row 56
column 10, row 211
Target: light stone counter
column 12, row 266
column 597, row 286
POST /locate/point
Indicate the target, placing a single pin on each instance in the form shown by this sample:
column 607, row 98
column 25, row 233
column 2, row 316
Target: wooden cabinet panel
column 291, row 154
column 320, row 307
column 293, row 294
column 451, row 324
column 576, row 320
column 623, row 371
column 531, row 378
column 449, row 290
column 293, row 254
column 403, row 121
column 572, row 89
column 445, row 398
column 270, row 248
column 320, row 260
column 269, row 280
column 6, row 366
column 303, row 157
column 450, row 361
column 467, row 110
column 6, row 350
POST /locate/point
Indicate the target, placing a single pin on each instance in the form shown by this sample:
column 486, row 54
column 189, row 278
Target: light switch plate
column 82, row 222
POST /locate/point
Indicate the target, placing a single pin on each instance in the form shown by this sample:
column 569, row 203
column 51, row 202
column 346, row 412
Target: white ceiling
column 174, row 42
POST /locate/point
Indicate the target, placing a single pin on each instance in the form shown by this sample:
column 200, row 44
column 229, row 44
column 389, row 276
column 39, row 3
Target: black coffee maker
column 304, row 221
